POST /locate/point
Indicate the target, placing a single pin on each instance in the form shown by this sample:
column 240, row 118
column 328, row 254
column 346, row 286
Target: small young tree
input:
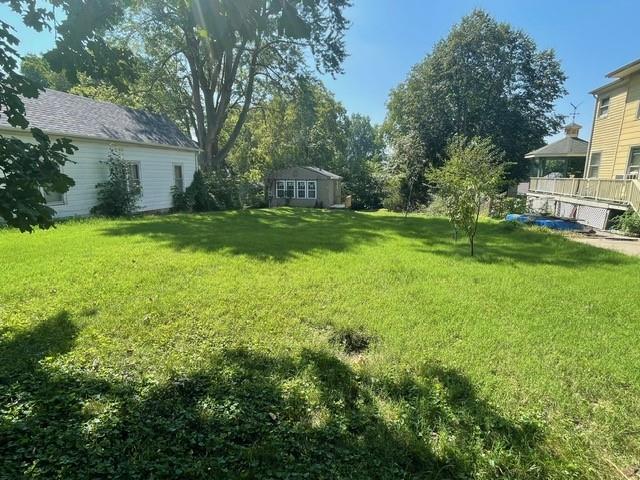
column 473, row 172
column 119, row 195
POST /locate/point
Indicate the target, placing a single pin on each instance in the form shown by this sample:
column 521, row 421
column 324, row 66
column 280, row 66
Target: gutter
column 103, row 139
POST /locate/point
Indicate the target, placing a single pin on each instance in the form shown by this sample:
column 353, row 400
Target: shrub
column 119, row 195
column 198, row 192
column 394, row 200
column 628, row 222
column 195, row 198
column 501, row 205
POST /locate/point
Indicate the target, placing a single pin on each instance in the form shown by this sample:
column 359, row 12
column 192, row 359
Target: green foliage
column 501, row 205
column 199, row 192
column 38, row 70
column 472, row 173
column 230, row 57
column 119, row 195
column 394, row 198
column 408, row 164
column 215, row 346
column 484, row 79
column 363, row 174
column 628, row 222
column 26, row 168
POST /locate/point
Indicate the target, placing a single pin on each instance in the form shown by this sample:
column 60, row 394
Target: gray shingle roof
column 326, row 173
column 62, row 113
column 567, row 147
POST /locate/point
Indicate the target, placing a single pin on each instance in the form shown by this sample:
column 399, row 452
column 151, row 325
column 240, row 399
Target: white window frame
column 175, row 178
column 638, row 112
column 589, row 167
column 283, row 184
column 63, row 200
column 631, row 150
column 139, row 180
column 603, row 109
column 286, row 191
column 300, row 183
column 315, row 189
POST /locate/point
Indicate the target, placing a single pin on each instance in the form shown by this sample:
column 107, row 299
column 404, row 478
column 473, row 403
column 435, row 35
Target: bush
column 195, row 198
column 628, row 222
column 436, row 208
column 394, row 199
column 501, row 205
column 119, row 195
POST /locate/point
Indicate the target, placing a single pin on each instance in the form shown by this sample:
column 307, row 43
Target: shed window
column 280, row 188
column 134, row 175
column 594, row 165
column 302, row 189
column 178, row 180
column 311, row 189
column 53, row 198
column 291, row 188
column 603, row 109
column 634, row 163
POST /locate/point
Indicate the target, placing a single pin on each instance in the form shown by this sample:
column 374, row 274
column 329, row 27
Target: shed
column 304, row 187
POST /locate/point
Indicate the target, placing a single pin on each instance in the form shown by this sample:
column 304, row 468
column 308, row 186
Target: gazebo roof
column 569, row 146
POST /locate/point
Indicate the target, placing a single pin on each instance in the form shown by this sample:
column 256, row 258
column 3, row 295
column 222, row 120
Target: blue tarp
column 548, row 222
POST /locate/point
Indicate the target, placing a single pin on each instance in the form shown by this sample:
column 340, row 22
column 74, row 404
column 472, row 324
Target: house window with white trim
column 280, row 188
column 594, row 165
column 134, row 175
column 178, row 179
column 302, row 189
column 311, row 189
column 633, row 170
column 53, row 198
column 603, row 108
column 291, row 189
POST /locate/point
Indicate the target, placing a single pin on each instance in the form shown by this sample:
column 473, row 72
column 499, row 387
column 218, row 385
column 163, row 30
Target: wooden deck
column 616, row 192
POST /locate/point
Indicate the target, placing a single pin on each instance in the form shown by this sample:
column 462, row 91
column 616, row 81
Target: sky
column 388, row 37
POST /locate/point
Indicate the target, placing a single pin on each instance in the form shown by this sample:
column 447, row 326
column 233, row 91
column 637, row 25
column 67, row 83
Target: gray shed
column 304, row 187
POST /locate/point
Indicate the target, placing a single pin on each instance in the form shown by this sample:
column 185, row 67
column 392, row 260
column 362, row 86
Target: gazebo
column 563, row 158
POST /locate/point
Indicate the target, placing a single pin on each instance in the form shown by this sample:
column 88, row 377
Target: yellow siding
column 606, row 131
column 630, row 131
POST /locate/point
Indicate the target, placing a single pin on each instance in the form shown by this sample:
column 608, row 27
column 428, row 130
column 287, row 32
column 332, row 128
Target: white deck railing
column 624, row 192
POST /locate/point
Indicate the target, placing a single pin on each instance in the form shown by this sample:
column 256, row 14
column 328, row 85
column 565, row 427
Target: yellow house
column 611, row 182
column 614, row 151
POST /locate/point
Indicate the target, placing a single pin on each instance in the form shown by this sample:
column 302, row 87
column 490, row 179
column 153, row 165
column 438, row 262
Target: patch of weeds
column 353, row 341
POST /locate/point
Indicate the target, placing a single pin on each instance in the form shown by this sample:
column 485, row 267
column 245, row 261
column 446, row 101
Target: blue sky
column 387, row 37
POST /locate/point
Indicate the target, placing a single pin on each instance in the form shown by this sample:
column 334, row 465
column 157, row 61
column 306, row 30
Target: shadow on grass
column 249, row 415
column 282, row 234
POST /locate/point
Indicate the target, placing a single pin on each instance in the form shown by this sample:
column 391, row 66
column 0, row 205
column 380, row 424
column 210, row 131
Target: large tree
column 226, row 49
column 484, row 79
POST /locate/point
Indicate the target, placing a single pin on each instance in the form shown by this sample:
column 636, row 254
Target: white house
column 159, row 154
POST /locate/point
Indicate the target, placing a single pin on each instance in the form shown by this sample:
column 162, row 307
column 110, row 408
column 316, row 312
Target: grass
column 309, row 344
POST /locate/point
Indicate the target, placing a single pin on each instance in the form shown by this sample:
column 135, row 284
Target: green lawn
column 310, row 344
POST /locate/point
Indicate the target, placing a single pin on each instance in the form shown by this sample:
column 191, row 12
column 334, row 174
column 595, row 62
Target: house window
column 603, row 109
column 53, row 198
column 178, row 180
column 594, row 165
column 638, row 112
column 302, row 189
column 280, row 188
column 633, row 169
column 311, row 189
column 291, row 189
column 134, row 175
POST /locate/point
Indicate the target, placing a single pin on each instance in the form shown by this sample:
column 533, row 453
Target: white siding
column 156, row 174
